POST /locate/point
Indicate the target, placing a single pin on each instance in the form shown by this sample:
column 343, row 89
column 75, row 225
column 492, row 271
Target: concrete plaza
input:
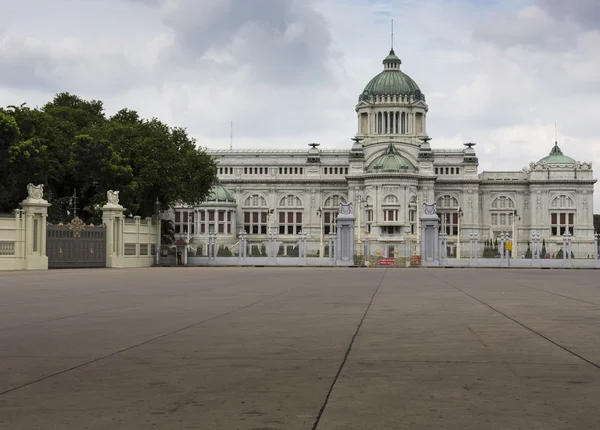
column 300, row 348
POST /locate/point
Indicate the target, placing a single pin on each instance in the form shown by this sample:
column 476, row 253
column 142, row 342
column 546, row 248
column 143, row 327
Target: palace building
column 388, row 172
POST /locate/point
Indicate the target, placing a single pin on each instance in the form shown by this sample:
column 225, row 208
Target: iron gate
column 75, row 245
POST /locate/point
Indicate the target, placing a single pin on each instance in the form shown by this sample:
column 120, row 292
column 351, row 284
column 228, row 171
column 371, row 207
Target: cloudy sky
column 289, row 72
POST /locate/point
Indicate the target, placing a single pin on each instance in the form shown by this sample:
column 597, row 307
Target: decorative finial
column 555, row 137
column 314, row 145
column 392, row 46
column 356, row 139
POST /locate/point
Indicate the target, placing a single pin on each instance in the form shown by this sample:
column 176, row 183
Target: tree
column 597, row 223
column 167, row 229
column 544, row 253
column 69, row 145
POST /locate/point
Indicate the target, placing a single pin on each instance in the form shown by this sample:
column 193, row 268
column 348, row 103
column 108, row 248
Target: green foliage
column 528, row 253
column 167, row 232
column 224, row 251
column 70, row 144
column 597, row 223
column 559, row 254
column 544, row 252
column 255, row 251
column 490, row 249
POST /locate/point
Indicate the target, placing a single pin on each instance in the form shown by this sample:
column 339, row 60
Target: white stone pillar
column 113, row 217
column 35, row 210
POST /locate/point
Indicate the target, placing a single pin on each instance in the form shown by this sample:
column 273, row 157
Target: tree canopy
column 71, row 145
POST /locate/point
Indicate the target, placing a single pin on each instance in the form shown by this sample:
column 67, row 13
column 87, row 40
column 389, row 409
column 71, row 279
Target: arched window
column 290, row 201
column 562, row 202
column 448, row 213
column 330, row 212
column 447, row 202
column 290, row 215
column 390, row 200
column 503, row 202
column 334, row 201
column 255, row 201
column 256, row 214
column 562, row 215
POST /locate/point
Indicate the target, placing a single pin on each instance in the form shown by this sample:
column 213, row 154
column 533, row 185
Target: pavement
column 300, row 348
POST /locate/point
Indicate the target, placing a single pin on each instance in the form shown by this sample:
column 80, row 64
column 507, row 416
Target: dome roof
column 392, row 81
column 557, row 157
column 218, row 193
column 390, row 161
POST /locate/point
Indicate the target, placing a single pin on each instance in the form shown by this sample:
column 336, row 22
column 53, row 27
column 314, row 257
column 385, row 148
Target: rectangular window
column 561, row 222
column 185, row 217
column 245, row 170
column 211, row 215
column 177, row 217
column 281, row 170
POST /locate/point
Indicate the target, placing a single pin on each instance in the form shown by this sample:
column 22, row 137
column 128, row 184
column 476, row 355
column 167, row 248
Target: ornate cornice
column 282, row 181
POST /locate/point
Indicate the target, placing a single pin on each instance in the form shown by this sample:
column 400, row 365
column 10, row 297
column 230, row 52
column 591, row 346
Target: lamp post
column 321, row 248
column 514, row 234
column 361, row 202
column 460, row 214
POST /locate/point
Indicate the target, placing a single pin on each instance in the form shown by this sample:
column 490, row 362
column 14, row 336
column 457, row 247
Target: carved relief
column 429, row 209
column 346, row 209
column 112, row 197
column 390, row 189
column 35, row 191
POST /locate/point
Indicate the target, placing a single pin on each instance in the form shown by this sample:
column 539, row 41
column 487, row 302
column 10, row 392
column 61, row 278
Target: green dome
column 218, row 193
column 390, row 161
column 556, row 157
column 392, row 81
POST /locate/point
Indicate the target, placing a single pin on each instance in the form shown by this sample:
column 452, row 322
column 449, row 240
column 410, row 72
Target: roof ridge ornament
column 556, row 149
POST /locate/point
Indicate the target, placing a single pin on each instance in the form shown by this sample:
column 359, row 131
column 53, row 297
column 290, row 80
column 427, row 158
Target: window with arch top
column 448, row 213
column 331, row 209
column 290, row 215
column 503, row 202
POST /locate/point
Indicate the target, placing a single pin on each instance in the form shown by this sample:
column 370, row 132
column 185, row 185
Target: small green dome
column 390, row 161
column 557, row 157
column 392, row 81
column 218, row 193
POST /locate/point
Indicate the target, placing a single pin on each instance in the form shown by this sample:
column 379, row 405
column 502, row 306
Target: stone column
column 113, row 217
column 345, row 235
column 430, row 252
column 35, row 211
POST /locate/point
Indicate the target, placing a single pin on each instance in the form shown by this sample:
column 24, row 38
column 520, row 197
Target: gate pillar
column 344, row 246
column 430, row 246
column 35, row 212
column 114, row 219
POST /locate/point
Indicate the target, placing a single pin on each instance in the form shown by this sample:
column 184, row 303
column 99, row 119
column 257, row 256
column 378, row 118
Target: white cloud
column 289, row 72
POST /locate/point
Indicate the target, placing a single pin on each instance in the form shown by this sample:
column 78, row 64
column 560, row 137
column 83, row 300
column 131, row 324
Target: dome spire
column 392, row 45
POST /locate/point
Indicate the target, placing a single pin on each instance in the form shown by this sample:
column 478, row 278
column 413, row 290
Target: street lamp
column 321, row 248
column 361, row 202
column 269, row 214
column 460, row 214
column 514, row 234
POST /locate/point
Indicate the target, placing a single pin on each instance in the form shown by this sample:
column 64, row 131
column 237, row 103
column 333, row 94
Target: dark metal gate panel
column 75, row 245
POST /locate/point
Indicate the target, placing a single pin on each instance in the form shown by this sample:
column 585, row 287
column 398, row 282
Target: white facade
column 388, row 172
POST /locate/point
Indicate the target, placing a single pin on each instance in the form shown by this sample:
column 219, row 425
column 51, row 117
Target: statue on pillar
column 35, row 192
